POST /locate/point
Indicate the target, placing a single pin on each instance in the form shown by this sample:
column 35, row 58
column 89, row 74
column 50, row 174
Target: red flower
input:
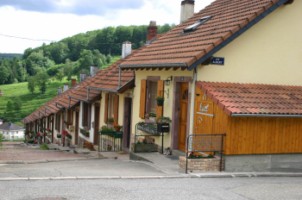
column 64, row 132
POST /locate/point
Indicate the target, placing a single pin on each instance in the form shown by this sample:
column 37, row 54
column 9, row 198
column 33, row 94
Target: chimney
column 65, row 87
column 59, row 91
column 152, row 32
column 73, row 82
column 126, row 49
column 93, row 70
column 82, row 77
column 187, row 10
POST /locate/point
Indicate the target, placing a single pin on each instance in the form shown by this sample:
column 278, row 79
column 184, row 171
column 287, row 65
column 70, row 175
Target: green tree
column 105, row 40
column 41, row 79
column 60, row 75
column 31, row 84
column 68, row 69
column 4, row 74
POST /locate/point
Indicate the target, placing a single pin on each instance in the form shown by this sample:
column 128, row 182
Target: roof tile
column 255, row 99
column 185, row 49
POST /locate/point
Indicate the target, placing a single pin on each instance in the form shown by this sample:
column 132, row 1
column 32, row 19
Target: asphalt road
column 152, row 189
column 28, row 174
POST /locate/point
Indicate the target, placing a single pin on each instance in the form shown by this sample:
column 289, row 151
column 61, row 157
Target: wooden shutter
column 160, row 92
column 142, row 106
column 106, row 108
column 115, row 108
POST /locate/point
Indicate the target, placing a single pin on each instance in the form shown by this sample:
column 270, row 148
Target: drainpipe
column 119, row 77
column 192, row 107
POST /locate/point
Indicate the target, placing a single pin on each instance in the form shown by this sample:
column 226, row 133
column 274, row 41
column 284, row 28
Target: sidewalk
column 106, row 164
column 20, row 153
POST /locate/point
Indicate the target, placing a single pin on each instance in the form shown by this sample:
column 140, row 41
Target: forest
column 73, row 55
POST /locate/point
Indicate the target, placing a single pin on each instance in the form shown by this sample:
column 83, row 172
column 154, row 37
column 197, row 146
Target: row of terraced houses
column 233, row 68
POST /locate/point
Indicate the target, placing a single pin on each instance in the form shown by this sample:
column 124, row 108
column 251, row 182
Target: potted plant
column 152, row 117
column 110, row 122
column 160, row 100
column 69, row 136
column 164, row 120
column 118, row 127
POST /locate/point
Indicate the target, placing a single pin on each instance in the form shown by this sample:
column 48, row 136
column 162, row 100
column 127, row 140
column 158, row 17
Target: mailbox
column 163, row 127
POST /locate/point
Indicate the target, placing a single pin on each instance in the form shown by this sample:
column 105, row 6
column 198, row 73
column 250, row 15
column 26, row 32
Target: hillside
column 73, row 55
column 30, row 102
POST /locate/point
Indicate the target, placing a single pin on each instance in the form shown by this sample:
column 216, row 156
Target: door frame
column 176, row 104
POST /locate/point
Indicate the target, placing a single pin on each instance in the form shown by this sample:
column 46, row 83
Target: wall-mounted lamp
column 168, row 80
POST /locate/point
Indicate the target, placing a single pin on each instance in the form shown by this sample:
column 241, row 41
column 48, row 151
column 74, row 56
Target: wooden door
column 183, row 114
column 77, row 128
column 96, row 124
column 127, row 123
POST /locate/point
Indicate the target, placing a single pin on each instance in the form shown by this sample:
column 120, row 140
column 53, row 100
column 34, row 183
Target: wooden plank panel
column 142, row 105
column 264, row 136
column 106, row 108
column 115, row 108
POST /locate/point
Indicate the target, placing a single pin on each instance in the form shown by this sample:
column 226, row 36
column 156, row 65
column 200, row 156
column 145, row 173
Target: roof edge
column 137, row 66
column 238, row 33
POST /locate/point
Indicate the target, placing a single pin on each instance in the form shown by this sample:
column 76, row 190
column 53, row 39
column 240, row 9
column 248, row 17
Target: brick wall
column 200, row 164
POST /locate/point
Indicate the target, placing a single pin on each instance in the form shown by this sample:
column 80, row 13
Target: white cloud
column 56, row 26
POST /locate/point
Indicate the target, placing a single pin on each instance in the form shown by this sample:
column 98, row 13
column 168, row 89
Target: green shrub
column 1, row 139
column 44, row 147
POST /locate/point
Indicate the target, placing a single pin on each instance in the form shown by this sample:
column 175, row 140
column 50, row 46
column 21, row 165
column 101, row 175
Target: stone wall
column 200, row 164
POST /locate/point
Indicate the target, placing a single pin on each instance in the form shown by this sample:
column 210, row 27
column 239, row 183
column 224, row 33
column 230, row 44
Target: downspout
column 119, row 77
column 192, row 107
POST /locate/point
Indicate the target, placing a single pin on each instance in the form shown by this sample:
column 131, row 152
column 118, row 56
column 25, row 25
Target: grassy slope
column 30, row 102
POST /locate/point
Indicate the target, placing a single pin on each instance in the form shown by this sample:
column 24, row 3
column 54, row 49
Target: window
column 111, row 107
column 194, row 26
column 151, row 96
column 150, row 90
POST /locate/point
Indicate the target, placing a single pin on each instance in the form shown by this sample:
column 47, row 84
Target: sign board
column 217, row 61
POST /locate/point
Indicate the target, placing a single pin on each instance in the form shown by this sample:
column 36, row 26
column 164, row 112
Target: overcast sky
column 30, row 23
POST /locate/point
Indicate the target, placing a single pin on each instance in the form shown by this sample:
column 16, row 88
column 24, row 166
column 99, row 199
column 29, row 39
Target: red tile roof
column 88, row 90
column 255, row 99
column 176, row 49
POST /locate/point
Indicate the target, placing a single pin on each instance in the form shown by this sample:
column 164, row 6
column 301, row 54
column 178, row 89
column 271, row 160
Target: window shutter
column 160, row 92
column 115, row 109
column 142, row 106
column 106, row 108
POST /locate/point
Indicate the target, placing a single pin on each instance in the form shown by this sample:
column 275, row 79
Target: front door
column 96, row 124
column 182, row 130
column 77, row 128
column 127, row 123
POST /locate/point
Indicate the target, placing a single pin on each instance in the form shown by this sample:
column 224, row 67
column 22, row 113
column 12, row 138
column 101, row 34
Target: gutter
column 237, row 34
column 152, row 65
column 71, row 97
column 102, row 89
column 267, row 115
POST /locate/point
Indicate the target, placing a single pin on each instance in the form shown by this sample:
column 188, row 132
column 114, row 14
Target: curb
column 46, row 161
column 224, row 175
